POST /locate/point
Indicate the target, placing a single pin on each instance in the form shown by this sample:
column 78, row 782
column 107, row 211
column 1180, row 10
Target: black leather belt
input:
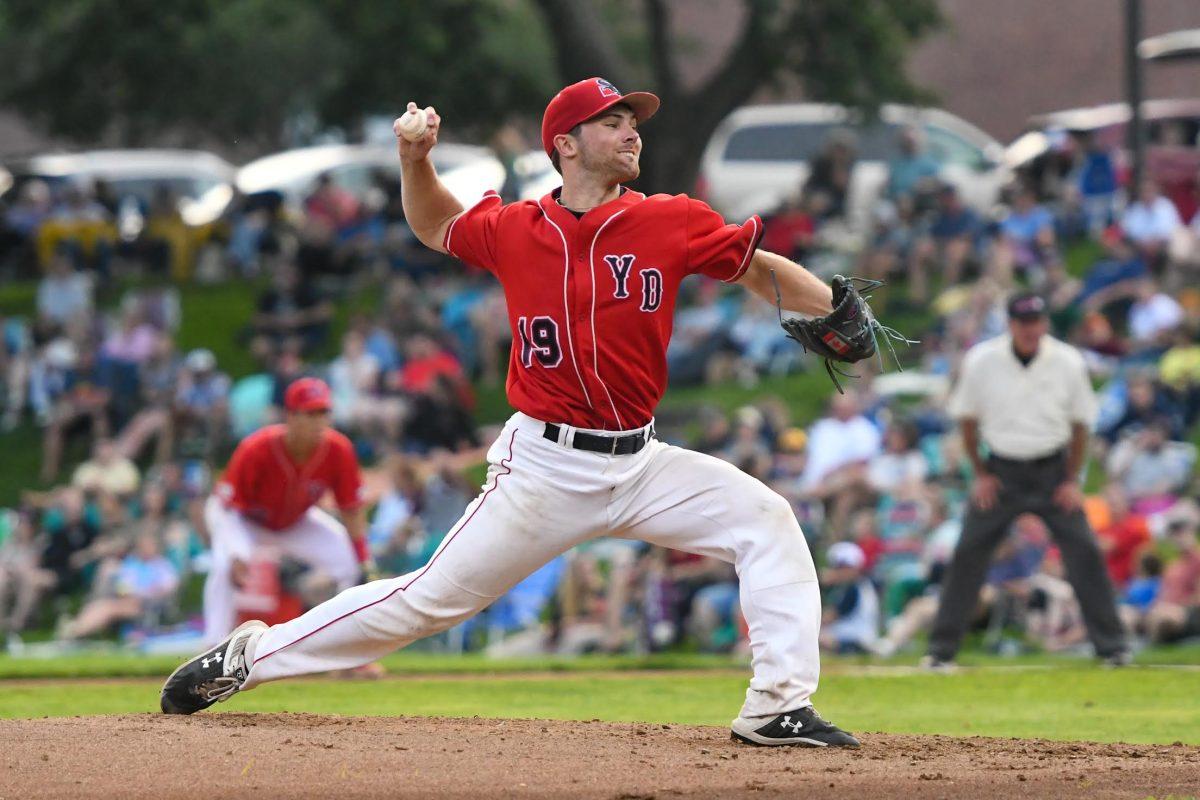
column 625, row 445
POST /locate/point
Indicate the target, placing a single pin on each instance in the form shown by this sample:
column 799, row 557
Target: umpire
column 1028, row 398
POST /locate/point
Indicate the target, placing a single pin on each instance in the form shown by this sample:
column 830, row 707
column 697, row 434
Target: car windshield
column 797, row 141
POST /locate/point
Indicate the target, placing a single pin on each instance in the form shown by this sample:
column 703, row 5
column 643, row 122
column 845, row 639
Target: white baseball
column 413, row 124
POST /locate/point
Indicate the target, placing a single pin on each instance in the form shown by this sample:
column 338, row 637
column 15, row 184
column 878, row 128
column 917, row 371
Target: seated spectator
column 1139, row 597
column 747, row 449
column 106, row 472
column 1150, row 468
column 331, row 206
column 1122, row 536
column 946, row 246
column 1145, row 402
column 292, row 309
column 1116, row 277
column 158, row 381
column 900, row 469
column 1176, row 611
column 84, row 395
column 22, row 579
column 1053, row 618
column 1153, row 317
column 202, row 402
column 1027, row 239
column 134, row 340
column 439, row 420
column 71, row 526
column 396, row 535
column 913, row 173
column 63, row 294
column 831, row 173
column 790, row 231
column 1096, row 178
column 840, row 446
column 1179, row 372
column 1151, row 222
column 425, row 361
column 142, row 584
column 700, row 350
column 850, row 620
column 893, row 238
column 358, row 405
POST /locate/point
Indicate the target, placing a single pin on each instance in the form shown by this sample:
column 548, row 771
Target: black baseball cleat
column 211, row 677
column 803, row 727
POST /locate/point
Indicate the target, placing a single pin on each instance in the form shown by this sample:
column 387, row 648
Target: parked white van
column 760, row 156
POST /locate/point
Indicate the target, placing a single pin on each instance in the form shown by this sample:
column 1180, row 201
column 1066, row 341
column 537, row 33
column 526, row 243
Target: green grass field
column 1032, row 698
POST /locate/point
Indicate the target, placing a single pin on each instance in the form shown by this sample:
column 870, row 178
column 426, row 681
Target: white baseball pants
column 540, row 499
column 316, row 539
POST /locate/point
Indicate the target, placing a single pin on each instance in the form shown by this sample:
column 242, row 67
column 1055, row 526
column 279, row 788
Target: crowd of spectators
column 407, row 339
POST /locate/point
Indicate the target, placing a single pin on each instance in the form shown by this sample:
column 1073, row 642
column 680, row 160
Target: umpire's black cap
column 1026, row 306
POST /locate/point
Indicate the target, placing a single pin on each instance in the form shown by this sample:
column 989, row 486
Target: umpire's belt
column 624, row 445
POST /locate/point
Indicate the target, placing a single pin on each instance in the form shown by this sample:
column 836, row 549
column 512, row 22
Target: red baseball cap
column 307, row 394
column 581, row 101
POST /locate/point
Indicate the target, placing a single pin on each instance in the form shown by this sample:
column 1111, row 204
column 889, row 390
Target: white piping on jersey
column 567, row 308
column 595, row 343
column 749, row 249
column 450, row 232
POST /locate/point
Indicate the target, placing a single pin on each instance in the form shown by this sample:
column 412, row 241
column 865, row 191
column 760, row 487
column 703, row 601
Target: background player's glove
column 847, row 334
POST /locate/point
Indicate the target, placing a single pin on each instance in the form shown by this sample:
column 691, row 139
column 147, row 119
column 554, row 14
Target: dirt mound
column 302, row 755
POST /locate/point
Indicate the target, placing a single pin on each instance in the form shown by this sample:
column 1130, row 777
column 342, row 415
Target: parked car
column 759, row 156
column 1172, row 128
column 468, row 171
column 202, row 181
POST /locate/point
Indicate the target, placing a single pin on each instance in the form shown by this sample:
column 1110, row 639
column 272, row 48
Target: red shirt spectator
column 1121, row 541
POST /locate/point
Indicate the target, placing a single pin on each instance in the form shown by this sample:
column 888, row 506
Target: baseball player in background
column 268, row 496
column 590, row 274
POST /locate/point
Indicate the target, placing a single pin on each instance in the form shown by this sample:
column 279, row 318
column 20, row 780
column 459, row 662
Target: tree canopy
column 237, row 71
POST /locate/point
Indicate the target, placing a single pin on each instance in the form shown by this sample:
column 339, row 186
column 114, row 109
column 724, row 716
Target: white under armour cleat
column 211, row 677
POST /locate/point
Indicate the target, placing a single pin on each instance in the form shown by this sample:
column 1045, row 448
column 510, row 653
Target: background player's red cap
column 307, row 394
column 581, row 101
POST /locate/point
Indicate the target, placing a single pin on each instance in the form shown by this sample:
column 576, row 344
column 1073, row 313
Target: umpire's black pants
column 1026, row 487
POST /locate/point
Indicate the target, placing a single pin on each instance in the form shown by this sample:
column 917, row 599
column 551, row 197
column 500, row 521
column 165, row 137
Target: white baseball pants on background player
column 542, row 498
column 316, row 538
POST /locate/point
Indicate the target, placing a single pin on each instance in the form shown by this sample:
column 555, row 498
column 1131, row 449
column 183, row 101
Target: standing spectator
column 1151, row 221
column 1026, row 396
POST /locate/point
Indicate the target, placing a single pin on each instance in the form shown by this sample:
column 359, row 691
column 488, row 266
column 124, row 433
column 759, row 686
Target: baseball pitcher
column 590, row 273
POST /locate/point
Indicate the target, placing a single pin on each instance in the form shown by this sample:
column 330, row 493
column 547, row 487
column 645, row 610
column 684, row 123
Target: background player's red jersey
column 270, row 489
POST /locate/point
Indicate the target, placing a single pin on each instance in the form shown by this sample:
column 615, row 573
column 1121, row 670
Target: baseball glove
column 847, row 334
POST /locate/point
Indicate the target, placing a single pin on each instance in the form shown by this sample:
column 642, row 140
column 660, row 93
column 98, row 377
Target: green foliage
column 238, row 70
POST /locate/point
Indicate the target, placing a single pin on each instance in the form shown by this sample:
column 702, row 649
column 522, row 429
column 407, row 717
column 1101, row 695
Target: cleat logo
column 214, row 658
column 787, row 723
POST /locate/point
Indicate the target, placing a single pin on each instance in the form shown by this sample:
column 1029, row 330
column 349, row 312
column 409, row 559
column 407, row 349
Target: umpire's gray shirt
column 1024, row 412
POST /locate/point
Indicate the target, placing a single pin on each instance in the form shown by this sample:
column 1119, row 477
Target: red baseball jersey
column 270, row 489
column 591, row 300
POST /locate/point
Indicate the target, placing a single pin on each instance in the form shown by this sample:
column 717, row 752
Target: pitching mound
column 301, row 755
